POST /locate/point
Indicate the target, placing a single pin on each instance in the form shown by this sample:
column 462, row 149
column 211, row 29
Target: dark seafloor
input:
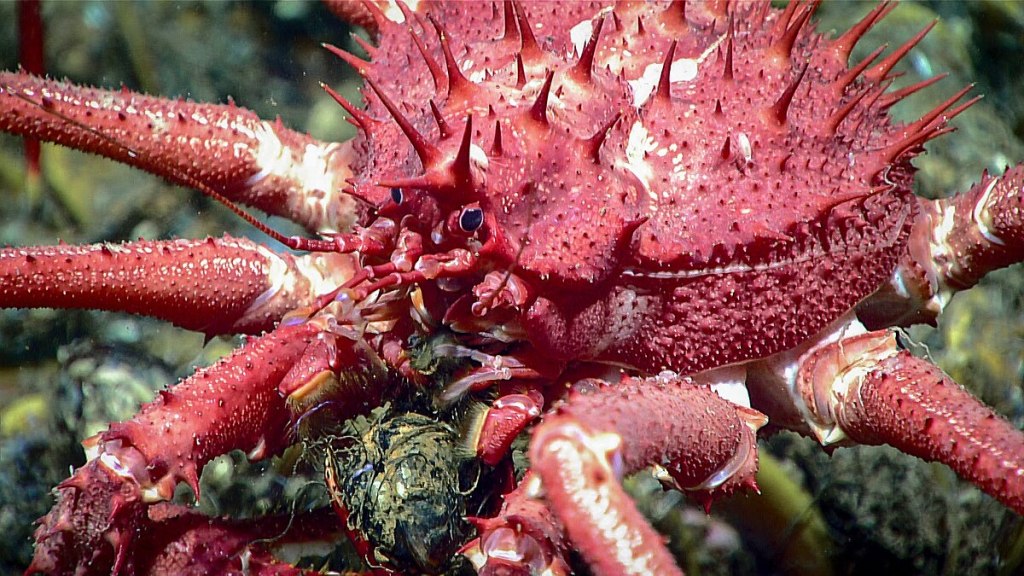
column 64, row 374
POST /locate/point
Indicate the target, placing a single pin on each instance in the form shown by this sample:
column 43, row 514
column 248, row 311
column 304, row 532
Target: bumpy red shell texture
column 757, row 150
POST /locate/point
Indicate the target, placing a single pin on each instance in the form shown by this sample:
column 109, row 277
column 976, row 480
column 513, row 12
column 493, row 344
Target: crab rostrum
column 649, row 228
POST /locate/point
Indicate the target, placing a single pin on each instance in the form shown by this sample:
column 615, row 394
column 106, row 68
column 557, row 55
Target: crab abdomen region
column 684, row 188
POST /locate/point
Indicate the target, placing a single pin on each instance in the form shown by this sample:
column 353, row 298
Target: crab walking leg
column 215, row 286
column 954, row 243
column 232, row 405
column 866, row 390
column 229, row 149
column 179, row 540
column 697, row 440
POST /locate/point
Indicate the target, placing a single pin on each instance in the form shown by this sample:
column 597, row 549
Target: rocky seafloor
column 64, row 374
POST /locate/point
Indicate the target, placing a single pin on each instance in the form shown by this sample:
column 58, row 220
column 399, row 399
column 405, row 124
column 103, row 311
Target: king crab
column 865, row 311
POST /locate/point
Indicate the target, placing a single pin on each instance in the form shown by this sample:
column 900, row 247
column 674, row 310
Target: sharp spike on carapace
column 380, row 20
column 843, row 46
column 783, row 47
column 726, row 148
column 362, row 120
column 943, row 110
column 848, row 77
column 458, row 85
column 511, row 31
column 436, row 73
column 539, row 110
column 530, row 50
column 462, row 172
column 428, row 154
column 782, row 24
column 892, row 98
column 779, row 111
column 351, row 59
column 496, row 148
column 370, row 49
column 640, row 26
column 882, row 69
column 520, row 72
column 832, row 126
column 727, row 72
column 673, row 17
column 443, row 128
column 595, row 142
column 663, row 92
column 582, row 70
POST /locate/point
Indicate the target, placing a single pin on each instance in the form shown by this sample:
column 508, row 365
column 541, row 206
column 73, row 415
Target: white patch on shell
column 983, row 218
column 311, row 170
column 394, row 13
column 683, row 70
column 745, row 149
column 729, row 382
column 639, row 144
column 580, row 34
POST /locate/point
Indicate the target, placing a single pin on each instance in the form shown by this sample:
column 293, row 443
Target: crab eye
column 397, row 196
column 471, row 219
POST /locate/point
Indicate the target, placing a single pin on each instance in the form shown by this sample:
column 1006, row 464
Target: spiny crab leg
column 696, row 440
column 178, row 540
column 216, row 286
column 954, row 243
column 232, row 405
column 229, row 149
column 866, row 390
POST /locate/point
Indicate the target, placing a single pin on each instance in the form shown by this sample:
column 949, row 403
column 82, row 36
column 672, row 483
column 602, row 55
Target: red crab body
column 680, row 198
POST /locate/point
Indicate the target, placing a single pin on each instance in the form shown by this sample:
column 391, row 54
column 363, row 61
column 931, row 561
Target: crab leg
column 697, row 441
column 954, row 243
column 227, row 148
column 215, row 286
column 866, row 390
column 232, row 405
column 179, row 540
